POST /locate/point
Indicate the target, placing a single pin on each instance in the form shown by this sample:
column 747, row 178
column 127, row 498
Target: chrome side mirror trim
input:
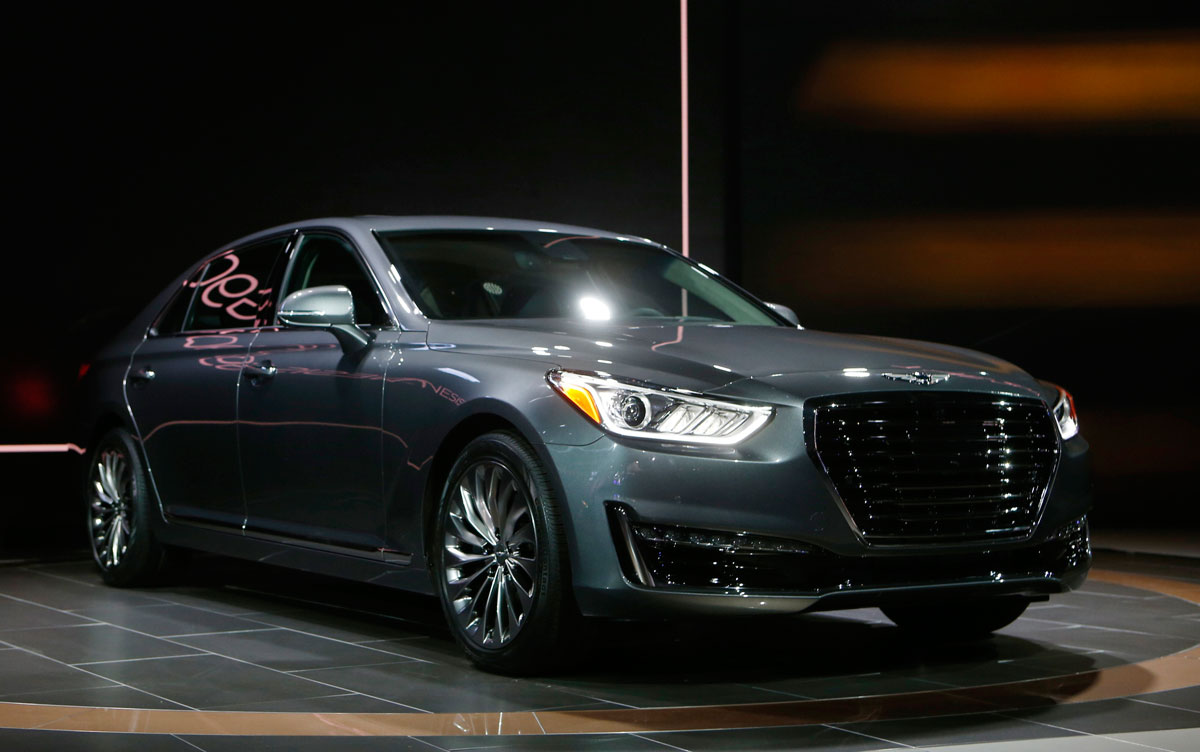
column 327, row 307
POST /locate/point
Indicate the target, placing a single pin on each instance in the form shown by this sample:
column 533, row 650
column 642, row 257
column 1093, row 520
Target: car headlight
column 1064, row 413
column 638, row 410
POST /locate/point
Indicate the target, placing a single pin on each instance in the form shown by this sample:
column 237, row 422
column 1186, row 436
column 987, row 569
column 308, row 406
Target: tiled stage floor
column 240, row 637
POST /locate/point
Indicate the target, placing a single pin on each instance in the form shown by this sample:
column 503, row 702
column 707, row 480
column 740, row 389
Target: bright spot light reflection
column 595, row 309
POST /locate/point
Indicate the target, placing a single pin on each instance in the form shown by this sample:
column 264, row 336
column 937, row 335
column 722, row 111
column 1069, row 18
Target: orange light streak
column 988, row 83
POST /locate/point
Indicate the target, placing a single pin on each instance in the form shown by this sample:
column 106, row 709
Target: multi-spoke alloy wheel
column 500, row 561
column 118, row 512
column 111, row 484
column 490, row 551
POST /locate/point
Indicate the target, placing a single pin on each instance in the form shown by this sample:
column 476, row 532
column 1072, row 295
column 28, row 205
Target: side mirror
column 329, row 307
column 786, row 312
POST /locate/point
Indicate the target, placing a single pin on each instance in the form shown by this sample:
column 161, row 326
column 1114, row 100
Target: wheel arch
column 452, row 444
column 104, row 420
column 486, row 417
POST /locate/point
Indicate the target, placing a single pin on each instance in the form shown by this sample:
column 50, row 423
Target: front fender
column 434, row 398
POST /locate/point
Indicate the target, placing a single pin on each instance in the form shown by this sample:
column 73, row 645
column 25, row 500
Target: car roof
column 385, row 223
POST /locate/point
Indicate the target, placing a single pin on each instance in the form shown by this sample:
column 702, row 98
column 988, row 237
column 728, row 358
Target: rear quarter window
column 231, row 291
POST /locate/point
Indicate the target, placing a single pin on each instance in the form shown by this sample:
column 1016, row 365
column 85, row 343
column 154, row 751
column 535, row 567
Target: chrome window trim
column 359, row 256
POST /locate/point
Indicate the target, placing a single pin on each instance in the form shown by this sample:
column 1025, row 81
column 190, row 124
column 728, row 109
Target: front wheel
column 119, row 512
column 500, row 558
column 963, row 620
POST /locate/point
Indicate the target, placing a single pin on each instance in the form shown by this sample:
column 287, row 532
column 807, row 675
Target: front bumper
column 781, row 497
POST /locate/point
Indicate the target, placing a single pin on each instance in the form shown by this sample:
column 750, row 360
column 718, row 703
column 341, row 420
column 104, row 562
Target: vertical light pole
column 683, row 116
column 683, row 150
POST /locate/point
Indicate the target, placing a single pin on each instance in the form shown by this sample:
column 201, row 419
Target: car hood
column 706, row 357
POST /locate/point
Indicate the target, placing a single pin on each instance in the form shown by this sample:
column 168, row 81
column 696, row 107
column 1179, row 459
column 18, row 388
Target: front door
column 309, row 415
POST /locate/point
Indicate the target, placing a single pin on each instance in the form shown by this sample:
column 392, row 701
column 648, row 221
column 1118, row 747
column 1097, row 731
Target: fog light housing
column 672, row 556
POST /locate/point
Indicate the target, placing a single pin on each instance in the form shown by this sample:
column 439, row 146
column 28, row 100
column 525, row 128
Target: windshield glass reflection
column 482, row 275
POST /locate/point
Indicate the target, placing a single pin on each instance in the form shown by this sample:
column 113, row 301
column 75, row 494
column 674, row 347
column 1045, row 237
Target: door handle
column 142, row 376
column 260, row 371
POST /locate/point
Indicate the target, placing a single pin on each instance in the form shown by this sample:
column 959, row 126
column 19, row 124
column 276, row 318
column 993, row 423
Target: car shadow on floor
column 795, row 655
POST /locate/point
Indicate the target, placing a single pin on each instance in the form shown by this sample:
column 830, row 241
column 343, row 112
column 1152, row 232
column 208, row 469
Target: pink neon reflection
column 677, row 340
column 274, row 423
column 571, row 237
column 233, row 264
column 237, row 362
column 233, row 299
column 226, row 340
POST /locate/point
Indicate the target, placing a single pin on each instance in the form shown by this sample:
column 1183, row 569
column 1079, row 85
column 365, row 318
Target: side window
column 231, row 290
column 330, row 260
column 171, row 320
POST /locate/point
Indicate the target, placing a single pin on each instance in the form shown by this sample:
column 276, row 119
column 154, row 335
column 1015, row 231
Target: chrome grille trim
column 920, row 468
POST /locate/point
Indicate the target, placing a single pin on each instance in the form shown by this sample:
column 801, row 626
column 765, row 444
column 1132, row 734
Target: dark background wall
column 1064, row 239
column 1021, row 178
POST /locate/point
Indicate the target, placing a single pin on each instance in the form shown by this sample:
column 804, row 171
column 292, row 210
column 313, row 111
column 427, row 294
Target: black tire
column 120, row 509
column 969, row 619
column 468, row 567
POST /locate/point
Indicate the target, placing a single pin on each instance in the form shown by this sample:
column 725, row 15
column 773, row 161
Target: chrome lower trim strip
column 639, row 567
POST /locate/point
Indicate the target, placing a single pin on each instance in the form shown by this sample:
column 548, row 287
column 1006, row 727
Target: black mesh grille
column 936, row 467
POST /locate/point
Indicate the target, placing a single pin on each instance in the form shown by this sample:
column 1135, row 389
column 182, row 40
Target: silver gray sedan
column 541, row 424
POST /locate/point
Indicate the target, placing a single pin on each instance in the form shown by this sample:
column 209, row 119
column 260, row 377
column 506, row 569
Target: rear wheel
column 119, row 513
column 500, row 558
column 964, row 620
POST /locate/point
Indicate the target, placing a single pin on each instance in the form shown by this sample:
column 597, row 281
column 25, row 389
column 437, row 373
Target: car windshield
column 481, row 275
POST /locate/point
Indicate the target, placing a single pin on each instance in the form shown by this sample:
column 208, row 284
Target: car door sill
column 388, row 556
column 362, row 552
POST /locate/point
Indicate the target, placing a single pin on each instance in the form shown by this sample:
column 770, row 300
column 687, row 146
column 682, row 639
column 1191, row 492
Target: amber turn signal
column 583, row 399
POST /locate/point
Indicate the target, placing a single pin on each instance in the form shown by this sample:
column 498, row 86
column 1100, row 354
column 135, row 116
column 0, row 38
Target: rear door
column 182, row 384
column 309, row 414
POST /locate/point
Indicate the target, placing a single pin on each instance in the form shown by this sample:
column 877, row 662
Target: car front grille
column 935, row 467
